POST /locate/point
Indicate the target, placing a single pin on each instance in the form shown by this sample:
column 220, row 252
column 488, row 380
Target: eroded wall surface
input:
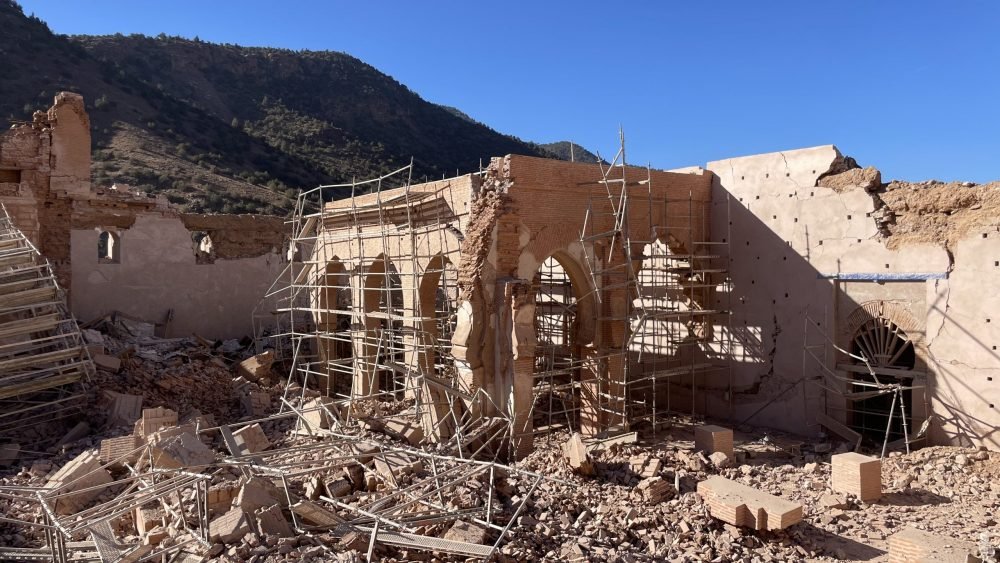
column 45, row 186
column 812, row 239
column 158, row 278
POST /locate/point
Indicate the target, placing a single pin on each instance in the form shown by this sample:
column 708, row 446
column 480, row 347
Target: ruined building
column 791, row 290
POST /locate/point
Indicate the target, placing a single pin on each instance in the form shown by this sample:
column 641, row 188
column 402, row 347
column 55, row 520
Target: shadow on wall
column 784, row 231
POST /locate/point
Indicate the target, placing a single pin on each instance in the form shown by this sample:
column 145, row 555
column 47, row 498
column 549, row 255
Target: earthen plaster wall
column 45, row 186
column 799, row 249
column 158, row 272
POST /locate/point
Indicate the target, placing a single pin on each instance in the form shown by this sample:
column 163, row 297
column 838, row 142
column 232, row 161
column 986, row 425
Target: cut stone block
column 256, row 367
column 81, row 472
column 252, row 438
column 740, row 505
column 120, row 448
column 220, row 497
column 858, row 475
column 125, row 409
column 655, row 489
column 710, row 439
column 575, row 452
column 183, row 451
column 316, row 414
column 107, row 363
column 155, row 419
column 258, row 493
column 393, row 465
column 315, row 514
column 148, row 518
column 229, row 527
column 645, row 466
column 917, row 546
column 338, row 488
column 256, row 403
column 270, row 521
column 404, row 429
column 466, row 532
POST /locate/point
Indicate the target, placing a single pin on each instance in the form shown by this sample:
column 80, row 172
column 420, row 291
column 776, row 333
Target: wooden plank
column 838, row 429
column 27, row 326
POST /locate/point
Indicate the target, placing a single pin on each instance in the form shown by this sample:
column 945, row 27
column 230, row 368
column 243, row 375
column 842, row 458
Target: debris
column 107, row 363
column 82, row 474
column 252, row 438
column 256, row 367
column 229, row 527
column 912, row 544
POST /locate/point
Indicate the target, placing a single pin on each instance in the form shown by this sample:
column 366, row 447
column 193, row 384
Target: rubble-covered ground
column 638, row 504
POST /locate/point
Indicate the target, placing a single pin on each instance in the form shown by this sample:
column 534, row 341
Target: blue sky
column 910, row 87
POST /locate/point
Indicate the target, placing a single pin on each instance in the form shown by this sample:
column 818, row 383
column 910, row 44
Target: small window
column 109, row 248
column 10, row 176
column 204, row 253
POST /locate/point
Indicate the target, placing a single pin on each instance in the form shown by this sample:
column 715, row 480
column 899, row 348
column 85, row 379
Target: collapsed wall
column 115, row 250
column 828, row 261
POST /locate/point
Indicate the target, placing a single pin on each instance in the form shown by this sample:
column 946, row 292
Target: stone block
column 256, row 367
column 252, row 438
column 576, row 454
column 316, row 414
column 911, row 545
column 466, row 532
column 404, row 429
column 711, row 438
column 183, row 451
column 857, row 475
column 258, row 493
column 120, row 449
column 125, row 409
column 82, row 472
column 155, row 419
column 315, row 514
column 740, row 505
column 645, row 466
column 148, row 518
column 229, row 527
column 270, row 521
column 107, row 363
column 393, row 465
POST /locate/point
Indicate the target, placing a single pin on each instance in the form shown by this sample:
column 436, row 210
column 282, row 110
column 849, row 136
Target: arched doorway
column 333, row 324
column 438, row 302
column 563, row 325
column 890, row 353
column 384, row 360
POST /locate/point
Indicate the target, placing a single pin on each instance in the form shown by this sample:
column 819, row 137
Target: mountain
column 235, row 129
column 567, row 150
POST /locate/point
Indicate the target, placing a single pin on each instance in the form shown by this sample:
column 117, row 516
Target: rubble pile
column 186, row 453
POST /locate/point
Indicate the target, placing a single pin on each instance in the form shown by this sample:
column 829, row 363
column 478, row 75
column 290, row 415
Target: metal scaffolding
column 369, row 305
column 43, row 358
column 677, row 291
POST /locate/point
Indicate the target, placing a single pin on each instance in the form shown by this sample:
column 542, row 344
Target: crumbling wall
column 45, row 185
column 159, row 277
column 814, row 235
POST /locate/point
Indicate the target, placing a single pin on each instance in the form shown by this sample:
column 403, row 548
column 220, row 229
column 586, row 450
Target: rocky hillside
column 235, row 129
